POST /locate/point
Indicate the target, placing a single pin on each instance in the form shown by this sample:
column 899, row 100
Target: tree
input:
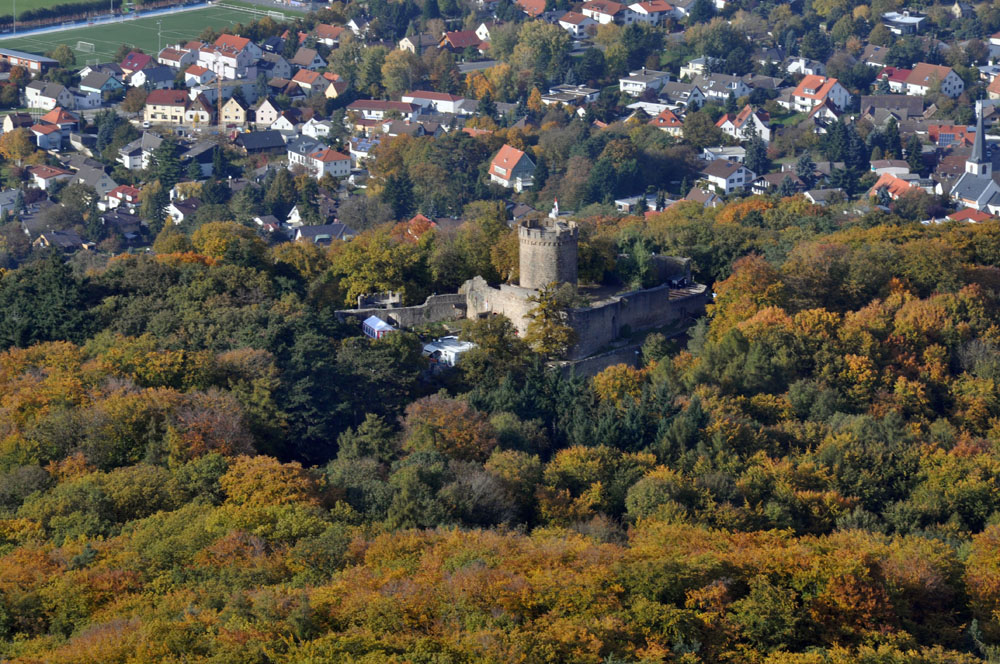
column 756, row 155
column 549, row 333
column 135, row 100
column 914, row 154
column 165, row 164
column 701, row 11
column 398, row 194
column 16, row 145
column 154, row 200
column 700, row 130
column 401, row 71
column 805, row 169
column 64, row 54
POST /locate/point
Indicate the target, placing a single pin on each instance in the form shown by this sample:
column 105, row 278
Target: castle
column 548, row 253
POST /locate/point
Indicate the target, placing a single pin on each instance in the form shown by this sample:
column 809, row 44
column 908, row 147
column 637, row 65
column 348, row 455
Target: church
column 976, row 187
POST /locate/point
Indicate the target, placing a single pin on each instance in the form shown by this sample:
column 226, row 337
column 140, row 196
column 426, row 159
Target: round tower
column 548, row 252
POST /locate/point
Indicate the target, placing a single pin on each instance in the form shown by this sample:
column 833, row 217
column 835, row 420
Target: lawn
column 141, row 32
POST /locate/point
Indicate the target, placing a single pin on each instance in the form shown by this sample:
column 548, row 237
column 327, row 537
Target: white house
column 653, row 12
column 576, row 24
column 727, row 176
column 441, row 102
column 925, row 76
column 314, row 128
column 604, row 11
column 806, row 67
column 318, row 159
column 47, row 96
column 197, row 75
column 813, row 91
column 747, row 121
column 47, row 136
column 637, row 82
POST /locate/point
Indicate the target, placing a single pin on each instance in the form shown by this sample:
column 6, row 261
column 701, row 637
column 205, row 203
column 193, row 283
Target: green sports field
column 141, row 33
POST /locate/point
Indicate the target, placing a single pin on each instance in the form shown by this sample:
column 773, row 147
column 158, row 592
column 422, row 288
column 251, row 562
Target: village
column 277, row 135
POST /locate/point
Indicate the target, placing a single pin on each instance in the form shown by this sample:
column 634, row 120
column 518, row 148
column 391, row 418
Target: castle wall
column 435, row 309
column 653, row 307
column 510, row 301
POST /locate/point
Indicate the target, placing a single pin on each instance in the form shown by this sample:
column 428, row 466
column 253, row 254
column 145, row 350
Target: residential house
column 156, row 77
column 653, row 12
column 668, row 121
column 906, row 23
column 641, row 80
column 748, row 121
column 358, row 25
column 572, row 95
column 727, row 176
column 458, row 40
column 261, row 141
column 970, row 215
column 335, row 89
column 724, row 153
column 682, row 95
column 375, row 109
column 897, row 167
column 230, row 56
column 287, row 122
column 234, row 113
column 512, row 168
column 874, row 56
column 328, row 35
column 166, row 106
column 317, row 129
column 903, row 107
column 43, row 95
column 773, row 182
column 273, row 65
column 176, row 58
column 91, row 173
column 47, row 136
column 13, row 121
column 137, row 154
column 924, row 77
column 134, row 62
column 576, row 24
column 180, row 211
column 813, row 91
column 946, row 136
column 44, row 177
column 824, row 197
column 101, row 82
column 201, row 153
column 805, row 66
column 266, row 114
column 123, row 196
column 604, row 11
column 63, row 119
column 317, row 159
column 993, row 89
column 721, row 86
column 307, row 58
column 706, row 197
column 533, row 8
column 64, row 240
column 129, row 226
column 892, row 185
column 484, row 30
column 418, row 44
column 311, row 82
column 698, row 67
column 197, row 75
column 324, row 235
column 361, row 148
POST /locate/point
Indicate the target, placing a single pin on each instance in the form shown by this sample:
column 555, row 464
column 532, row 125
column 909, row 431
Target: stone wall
column 510, row 301
column 435, row 309
column 547, row 253
column 638, row 310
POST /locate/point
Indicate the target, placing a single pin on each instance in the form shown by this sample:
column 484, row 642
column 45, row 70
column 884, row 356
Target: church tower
column 977, row 163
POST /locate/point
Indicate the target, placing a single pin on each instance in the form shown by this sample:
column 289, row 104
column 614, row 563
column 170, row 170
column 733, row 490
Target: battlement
column 548, row 252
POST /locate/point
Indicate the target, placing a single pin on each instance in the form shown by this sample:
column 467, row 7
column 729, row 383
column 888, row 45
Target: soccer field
column 141, row 32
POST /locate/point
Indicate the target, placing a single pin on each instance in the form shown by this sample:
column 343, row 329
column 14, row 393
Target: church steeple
column 977, row 163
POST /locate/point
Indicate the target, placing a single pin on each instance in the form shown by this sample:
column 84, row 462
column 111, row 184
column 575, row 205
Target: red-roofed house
column 134, row 61
column 512, row 168
column 971, row 215
column 61, row 118
column 576, row 24
column 946, row 136
column 747, row 120
column 893, row 186
column 668, row 121
column 329, row 34
column 531, row 7
column 45, row 176
column 925, row 76
column 604, row 11
column 47, row 136
column 123, row 196
column 197, row 75
column 459, row 40
column 815, row 90
column 653, row 12
column 309, row 80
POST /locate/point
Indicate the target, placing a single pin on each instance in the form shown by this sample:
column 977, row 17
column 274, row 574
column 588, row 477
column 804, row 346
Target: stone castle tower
column 548, row 252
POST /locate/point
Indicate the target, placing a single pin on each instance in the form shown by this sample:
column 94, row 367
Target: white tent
column 376, row 328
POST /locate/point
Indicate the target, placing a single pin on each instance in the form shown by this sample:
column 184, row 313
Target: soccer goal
column 279, row 16
column 93, row 61
column 85, row 47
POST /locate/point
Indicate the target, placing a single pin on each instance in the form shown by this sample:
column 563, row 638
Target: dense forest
column 200, row 463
